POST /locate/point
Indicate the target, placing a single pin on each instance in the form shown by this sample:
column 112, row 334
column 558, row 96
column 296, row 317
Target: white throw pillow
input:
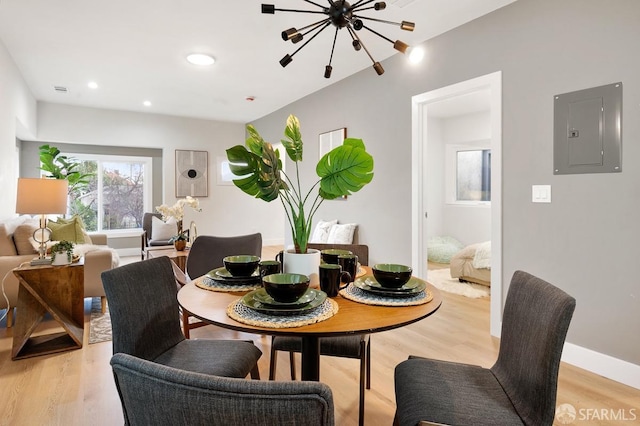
column 342, row 233
column 321, row 231
column 161, row 231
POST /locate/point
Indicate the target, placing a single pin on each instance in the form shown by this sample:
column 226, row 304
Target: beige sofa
column 465, row 265
column 98, row 257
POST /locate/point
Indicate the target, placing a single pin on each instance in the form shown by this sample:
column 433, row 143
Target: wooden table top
column 352, row 317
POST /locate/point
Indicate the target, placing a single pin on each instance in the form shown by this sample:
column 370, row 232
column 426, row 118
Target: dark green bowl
column 285, row 288
column 391, row 274
column 242, row 265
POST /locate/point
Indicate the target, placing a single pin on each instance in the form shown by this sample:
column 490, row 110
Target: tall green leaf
column 345, row 169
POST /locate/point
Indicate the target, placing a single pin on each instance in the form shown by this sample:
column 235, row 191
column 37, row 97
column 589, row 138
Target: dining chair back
column 520, row 388
column 154, row 394
column 145, row 323
column 357, row 347
column 206, row 254
column 207, row 251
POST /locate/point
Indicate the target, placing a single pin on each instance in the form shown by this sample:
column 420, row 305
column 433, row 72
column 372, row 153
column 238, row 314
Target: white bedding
column 482, row 258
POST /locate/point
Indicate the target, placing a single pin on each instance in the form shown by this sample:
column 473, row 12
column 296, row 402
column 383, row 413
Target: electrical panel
column 588, row 131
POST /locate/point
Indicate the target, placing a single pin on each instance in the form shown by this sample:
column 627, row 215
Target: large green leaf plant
column 342, row 171
column 62, row 167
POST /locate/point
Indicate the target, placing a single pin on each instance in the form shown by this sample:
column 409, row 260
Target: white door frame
column 419, row 153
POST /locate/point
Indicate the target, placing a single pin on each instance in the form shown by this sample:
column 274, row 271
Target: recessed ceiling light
column 200, row 59
column 416, row 55
column 92, row 85
column 147, row 103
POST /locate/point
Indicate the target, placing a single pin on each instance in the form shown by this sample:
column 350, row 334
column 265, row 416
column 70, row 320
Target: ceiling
column 135, row 50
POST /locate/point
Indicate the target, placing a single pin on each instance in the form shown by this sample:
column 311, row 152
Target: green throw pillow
column 67, row 230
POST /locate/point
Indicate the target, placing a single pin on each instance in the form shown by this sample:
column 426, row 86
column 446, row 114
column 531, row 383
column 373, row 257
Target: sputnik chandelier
column 341, row 15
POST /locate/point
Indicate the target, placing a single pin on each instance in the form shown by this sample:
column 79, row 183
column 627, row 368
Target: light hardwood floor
column 76, row 387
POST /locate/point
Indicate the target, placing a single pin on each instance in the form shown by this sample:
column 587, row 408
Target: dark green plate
column 410, row 288
column 218, row 275
column 224, row 274
column 264, row 298
column 251, row 302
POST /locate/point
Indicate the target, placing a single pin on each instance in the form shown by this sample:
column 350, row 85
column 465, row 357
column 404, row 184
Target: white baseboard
column 604, row 365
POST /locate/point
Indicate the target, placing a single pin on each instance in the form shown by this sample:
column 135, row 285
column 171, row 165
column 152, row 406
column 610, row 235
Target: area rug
column 441, row 279
column 100, row 324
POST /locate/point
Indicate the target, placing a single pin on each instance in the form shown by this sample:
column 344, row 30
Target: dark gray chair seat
column 154, row 394
column 145, row 322
column 521, row 386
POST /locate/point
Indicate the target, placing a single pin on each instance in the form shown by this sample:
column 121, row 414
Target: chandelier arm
column 312, row 37
column 331, row 2
column 335, row 37
column 377, row 33
column 315, row 25
column 377, row 20
column 353, row 33
column 356, row 4
column 315, row 4
column 300, row 11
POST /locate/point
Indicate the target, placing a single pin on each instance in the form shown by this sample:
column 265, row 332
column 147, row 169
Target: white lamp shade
column 42, row 196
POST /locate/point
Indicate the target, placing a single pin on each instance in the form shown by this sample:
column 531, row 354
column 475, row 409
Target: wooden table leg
column 311, row 358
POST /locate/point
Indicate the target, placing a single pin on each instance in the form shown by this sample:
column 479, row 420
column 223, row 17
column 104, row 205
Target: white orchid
column 177, row 210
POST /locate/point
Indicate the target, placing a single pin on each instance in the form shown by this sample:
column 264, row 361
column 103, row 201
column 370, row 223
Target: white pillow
column 162, row 231
column 321, row 231
column 342, row 234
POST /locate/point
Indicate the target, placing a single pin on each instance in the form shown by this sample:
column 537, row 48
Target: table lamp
column 41, row 196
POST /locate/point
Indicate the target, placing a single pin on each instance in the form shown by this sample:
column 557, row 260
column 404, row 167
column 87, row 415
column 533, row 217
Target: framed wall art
column 192, row 175
column 329, row 140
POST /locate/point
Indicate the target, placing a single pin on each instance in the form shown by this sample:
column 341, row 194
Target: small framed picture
column 224, row 175
column 329, row 140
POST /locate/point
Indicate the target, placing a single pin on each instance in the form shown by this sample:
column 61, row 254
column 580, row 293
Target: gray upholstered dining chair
column 154, row 394
column 358, row 347
column 145, row 322
column 521, row 386
column 147, row 233
column 206, row 254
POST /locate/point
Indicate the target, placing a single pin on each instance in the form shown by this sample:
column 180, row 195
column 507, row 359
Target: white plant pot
column 61, row 259
column 306, row 264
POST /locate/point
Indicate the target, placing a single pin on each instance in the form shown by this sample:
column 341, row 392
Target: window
column 467, row 171
column 473, row 175
column 117, row 195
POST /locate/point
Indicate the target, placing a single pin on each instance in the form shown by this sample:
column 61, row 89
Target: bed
column 473, row 264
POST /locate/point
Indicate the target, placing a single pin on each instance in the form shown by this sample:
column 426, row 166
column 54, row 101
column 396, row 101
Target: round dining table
column 352, row 318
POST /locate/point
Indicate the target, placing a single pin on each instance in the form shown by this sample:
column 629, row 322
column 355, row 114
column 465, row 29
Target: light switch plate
column 541, row 193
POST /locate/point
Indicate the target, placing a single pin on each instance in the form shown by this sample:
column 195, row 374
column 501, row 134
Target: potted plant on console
column 62, row 253
column 342, row 171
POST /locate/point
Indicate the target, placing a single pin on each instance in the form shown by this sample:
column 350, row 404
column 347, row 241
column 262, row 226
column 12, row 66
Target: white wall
column 17, row 118
column 467, row 223
column 226, row 211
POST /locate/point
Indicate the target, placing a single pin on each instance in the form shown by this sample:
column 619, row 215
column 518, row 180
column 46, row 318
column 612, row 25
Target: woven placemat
column 358, row 295
column 241, row 313
column 209, row 284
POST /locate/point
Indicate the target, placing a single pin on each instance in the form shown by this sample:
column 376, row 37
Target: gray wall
column 585, row 241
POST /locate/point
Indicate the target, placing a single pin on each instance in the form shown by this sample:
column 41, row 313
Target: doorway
column 487, row 90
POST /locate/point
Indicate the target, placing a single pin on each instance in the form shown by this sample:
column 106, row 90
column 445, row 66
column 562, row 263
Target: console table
column 57, row 290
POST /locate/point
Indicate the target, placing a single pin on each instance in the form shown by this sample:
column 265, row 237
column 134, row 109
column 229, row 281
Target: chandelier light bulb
column 416, row 55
